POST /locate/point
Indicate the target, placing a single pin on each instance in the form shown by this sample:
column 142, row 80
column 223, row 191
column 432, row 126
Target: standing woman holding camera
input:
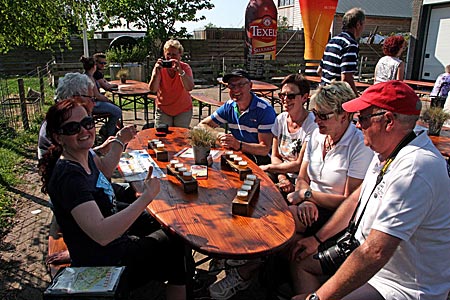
column 172, row 80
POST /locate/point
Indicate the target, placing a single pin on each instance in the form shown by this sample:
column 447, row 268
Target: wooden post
column 41, row 84
column 23, row 104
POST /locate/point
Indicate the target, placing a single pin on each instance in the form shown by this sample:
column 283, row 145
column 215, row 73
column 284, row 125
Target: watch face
column 308, row 195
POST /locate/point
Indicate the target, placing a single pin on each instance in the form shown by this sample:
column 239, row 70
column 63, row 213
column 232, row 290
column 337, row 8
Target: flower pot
column 434, row 128
column 123, row 79
column 201, row 154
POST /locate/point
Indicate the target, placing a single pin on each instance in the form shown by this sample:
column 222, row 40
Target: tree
column 158, row 17
column 39, row 24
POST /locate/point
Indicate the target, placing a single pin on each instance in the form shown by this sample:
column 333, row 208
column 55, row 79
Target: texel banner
column 261, row 29
column 317, row 17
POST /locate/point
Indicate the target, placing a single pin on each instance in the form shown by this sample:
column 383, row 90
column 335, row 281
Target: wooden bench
column 56, row 244
column 204, row 101
column 56, row 70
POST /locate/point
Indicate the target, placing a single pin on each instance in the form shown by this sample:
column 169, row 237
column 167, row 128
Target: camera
column 166, row 64
column 332, row 258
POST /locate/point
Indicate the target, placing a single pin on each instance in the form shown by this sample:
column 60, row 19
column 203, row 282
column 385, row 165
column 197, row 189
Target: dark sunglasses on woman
column 287, row 96
column 72, row 128
column 322, row 116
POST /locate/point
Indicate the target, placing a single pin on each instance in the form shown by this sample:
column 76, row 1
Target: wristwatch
column 307, row 195
column 313, row 296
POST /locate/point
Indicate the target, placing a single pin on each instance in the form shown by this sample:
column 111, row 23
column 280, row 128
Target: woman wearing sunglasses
column 85, row 206
column 291, row 131
column 334, row 165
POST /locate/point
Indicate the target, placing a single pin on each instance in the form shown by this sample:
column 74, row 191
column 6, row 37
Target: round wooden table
column 204, row 219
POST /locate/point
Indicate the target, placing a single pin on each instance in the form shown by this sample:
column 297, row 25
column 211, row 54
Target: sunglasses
column 233, row 86
column 102, row 63
column 322, row 116
column 72, row 128
column 287, row 96
column 365, row 118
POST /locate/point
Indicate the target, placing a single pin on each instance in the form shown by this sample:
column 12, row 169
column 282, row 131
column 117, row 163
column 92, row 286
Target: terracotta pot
column 123, row 79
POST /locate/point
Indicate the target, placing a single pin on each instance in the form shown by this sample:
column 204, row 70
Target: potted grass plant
column 201, row 139
column 435, row 117
column 122, row 74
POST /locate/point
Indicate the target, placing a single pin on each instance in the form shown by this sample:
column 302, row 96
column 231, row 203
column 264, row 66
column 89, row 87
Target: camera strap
column 352, row 226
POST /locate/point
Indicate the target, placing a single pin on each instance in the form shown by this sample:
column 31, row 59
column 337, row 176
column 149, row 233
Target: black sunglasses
column 288, row 96
column 102, row 62
column 322, row 116
column 367, row 117
column 72, row 128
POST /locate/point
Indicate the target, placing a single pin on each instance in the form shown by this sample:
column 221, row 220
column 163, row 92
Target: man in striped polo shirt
column 249, row 118
column 340, row 59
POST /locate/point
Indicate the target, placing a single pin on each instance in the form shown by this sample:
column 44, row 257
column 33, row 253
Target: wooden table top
column 131, row 87
column 261, row 86
column 357, row 83
column 419, row 83
column 204, row 219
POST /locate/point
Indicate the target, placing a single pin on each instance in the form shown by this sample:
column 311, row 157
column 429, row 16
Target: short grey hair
column 73, row 84
column 174, row 43
column 331, row 97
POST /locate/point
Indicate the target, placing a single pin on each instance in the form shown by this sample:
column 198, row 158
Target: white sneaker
column 218, row 265
column 229, row 286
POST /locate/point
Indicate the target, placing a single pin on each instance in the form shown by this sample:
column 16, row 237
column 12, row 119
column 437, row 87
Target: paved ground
column 23, row 274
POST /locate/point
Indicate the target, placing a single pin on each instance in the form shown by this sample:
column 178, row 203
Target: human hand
column 294, row 198
column 228, row 141
column 127, row 133
column 58, row 258
column 265, row 168
column 303, row 248
column 307, row 213
column 152, row 186
column 286, row 185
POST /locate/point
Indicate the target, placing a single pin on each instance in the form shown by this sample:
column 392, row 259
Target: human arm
column 208, row 122
column 185, row 73
column 319, row 71
column 262, row 148
column 106, row 85
column 338, row 222
column 401, row 71
column 348, row 77
column 155, row 80
column 105, row 230
column 108, row 163
column 364, row 262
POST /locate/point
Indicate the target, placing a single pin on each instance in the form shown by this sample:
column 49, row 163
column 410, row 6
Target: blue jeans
column 102, row 107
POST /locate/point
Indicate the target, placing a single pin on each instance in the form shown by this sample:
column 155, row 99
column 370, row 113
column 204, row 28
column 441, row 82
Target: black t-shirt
column 71, row 186
column 98, row 75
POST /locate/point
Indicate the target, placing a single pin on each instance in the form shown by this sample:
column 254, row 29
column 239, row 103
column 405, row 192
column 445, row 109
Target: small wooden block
column 162, row 155
column 189, row 186
column 225, row 162
column 242, row 207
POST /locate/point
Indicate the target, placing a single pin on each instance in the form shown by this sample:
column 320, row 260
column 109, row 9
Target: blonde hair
column 331, row 97
column 174, row 43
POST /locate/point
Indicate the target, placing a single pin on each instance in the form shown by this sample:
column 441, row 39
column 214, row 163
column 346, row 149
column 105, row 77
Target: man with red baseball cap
column 402, row 221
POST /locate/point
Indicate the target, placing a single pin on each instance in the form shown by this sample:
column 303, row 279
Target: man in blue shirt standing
column 248, row 117
column 340, row 59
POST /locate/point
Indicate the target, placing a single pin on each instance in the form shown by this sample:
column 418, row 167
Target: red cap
column 394, row 96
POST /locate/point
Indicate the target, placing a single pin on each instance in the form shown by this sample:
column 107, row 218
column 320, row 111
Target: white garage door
column 437, row 49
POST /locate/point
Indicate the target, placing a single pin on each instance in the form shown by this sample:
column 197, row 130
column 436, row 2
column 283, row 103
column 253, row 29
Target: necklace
column 328, row 145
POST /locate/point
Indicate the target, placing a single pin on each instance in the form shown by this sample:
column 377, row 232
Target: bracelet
column 182, row 74
column 240, row 146
column 119, row 141
column 317, row 239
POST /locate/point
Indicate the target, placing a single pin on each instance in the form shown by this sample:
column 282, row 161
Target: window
column 285, row 2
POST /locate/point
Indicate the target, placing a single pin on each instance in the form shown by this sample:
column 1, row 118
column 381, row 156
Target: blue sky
column 226, row 13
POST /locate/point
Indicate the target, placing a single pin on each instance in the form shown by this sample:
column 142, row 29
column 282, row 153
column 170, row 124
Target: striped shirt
column 259, row 117
column 340, row 56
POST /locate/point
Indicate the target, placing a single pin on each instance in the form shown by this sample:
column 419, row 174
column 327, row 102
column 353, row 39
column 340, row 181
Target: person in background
column 442, row 85
column 102, row 104
column 390, row 66
column 340, row 59
column 248, row 117
column 172, row 80
column 403, row 208
column 291, row 132
column 333, row 167
column 85, row 205
column 100, row 62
